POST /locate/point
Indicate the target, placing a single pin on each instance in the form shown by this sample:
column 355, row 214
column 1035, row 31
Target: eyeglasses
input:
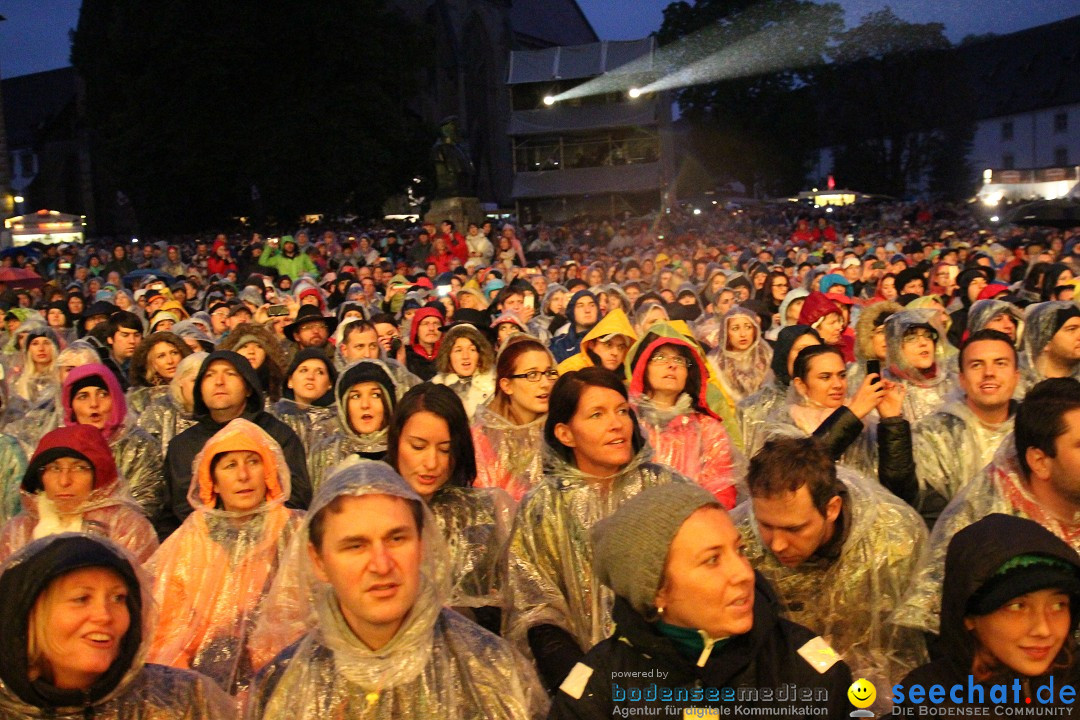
column 920, row 334
column 671, row 360
column 535, row 375
column 78, row 470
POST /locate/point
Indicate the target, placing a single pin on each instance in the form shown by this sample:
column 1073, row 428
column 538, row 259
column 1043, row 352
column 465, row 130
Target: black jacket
column 974, row 555
column 896, row 461
column 184, row 447
column 766, row 657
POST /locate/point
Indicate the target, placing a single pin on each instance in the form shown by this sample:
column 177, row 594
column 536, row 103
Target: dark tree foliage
column 897, row 109
column 756, row 123
column 191, row 105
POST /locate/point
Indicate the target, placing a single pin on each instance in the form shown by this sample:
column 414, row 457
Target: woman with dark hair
column 668, row 387
column 753, row 410
column 263, row 350
column 1008, row 612
column 153, row 366
column 307, row 402
column 773, row 291
column 60, row 584
column 595, row 459
column 429, row 448
column 508, row 430
column 365, row 394
column 465, row 364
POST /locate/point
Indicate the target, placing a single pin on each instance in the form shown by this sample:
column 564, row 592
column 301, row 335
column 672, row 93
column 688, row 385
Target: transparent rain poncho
column 475, row 523
column 550, row 575
column 999, row 488
column 438, row 665
column 340, row 441
column 1040, row 326
column 108, row 510
column 311, row 423
column 848, row 600
column 950, row 447
column 166, row 416
column 12, row 468
column 923, row 395
column 741, row 373
column 132, row 689
column 983, row 311
column 687, row 436
column 213, row 573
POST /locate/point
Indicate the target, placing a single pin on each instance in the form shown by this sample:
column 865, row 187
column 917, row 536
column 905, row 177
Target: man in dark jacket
column 227, row 387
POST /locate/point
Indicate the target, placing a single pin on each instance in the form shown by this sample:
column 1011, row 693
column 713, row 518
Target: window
column 1061, row 122
column 1007, row 161
column 1061, row 156
column 1007, row 130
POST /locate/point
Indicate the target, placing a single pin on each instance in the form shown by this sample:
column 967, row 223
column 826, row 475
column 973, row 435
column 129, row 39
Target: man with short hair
column 953, row 444
column 840, row 551
column 383, row 644
column 226, row 387
column 123, row 334
column 1037, row 476
column 311, row 329
column 1051, row 344
column 360, row 341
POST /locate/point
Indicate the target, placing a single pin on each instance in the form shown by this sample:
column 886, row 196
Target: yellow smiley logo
column 862, row 693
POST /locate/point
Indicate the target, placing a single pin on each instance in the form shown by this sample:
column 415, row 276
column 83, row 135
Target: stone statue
column 454, row 172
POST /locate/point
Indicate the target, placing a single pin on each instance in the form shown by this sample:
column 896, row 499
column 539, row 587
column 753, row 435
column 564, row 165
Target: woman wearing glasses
column 595, row 459
column 915, row 353
column 71, row 485
column 668, row 385
column 508, row 429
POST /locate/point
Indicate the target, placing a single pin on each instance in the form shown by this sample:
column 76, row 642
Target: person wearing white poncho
column 376, row 640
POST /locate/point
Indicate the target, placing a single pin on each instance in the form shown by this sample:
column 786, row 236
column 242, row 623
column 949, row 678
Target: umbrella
column 134, row 275
column 1059, row 213
column 20, row 278
column 24, row 249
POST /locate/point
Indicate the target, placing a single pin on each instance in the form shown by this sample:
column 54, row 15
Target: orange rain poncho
column 212, row 574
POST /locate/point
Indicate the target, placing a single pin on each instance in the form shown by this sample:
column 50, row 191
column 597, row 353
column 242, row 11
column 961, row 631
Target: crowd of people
column 567, row 473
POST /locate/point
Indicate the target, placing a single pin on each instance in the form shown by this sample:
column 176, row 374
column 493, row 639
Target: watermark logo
column 862, row 694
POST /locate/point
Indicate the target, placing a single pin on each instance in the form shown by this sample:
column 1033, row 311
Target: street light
column 549, row 100
column 634, row 93
column 19, row 199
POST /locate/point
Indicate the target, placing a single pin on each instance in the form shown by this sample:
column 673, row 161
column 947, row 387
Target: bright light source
column 988, row 175
column 992, row 199
column 19, row 198
column 634, row 93
column 549, row 100
column 994, row 218
column 697, row 211
column 828, row 209
column 713, row 202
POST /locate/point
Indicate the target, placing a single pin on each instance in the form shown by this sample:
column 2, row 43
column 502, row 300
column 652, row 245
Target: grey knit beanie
column 630, row 546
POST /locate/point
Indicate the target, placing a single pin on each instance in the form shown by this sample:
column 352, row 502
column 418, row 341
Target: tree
column 196, row 109
column 897, row 108
column 754, row 121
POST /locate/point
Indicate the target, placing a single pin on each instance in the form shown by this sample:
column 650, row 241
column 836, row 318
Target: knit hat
column 631, row 546
column 1021, row 575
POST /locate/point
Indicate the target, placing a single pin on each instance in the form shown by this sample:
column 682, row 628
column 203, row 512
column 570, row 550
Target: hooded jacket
column 130, row 689
column 974, row 555
column 847, row 599
column 689, row 436
column 1000, row 487
column 551, row 579
column 569, row 343
column 615, row 322
column 314, row 421
column 295, row 265
column 923, row 393
column 771, row 654
column 1040, row 326
column 185, row 446
column 108, row 510
column 341, row 441
column 959, row 317
column 133, row 449
column 419, row 361
column 437, row 665
column 213, row 573
column 741, row 372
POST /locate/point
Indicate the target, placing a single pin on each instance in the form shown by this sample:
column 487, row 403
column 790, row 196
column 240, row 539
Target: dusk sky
column 35, row 36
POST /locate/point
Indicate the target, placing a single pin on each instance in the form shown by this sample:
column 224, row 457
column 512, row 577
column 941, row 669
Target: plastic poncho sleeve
column 140, row 464
column 717, row 462
column 12, row 469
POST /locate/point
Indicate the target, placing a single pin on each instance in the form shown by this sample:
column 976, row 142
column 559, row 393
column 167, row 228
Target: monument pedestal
column 460, row 210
